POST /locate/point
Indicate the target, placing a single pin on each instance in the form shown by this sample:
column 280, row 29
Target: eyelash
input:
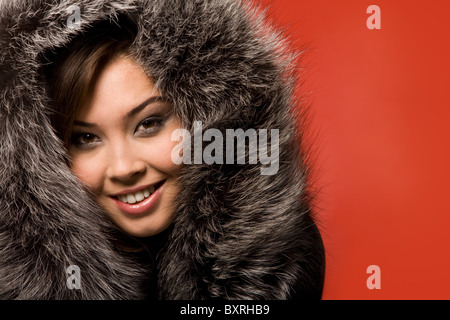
column 156, row 121
column 156, row 126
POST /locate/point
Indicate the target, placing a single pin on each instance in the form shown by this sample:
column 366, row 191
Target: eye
column 84, row 140
column 149, row 126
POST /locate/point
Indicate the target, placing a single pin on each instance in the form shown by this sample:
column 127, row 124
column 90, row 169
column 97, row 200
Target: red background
column 380, row 111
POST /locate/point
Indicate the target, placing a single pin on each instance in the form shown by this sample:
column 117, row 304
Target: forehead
column 120, row 86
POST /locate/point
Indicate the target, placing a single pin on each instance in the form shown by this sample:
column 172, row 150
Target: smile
column 138, row 196
column 141, row 201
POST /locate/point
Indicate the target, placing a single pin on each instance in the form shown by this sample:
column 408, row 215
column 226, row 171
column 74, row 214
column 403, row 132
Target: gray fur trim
column 237, row 234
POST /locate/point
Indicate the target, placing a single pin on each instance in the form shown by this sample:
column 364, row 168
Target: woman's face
column 121, row 149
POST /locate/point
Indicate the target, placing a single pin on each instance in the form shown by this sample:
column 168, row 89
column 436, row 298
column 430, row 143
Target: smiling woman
column 123, row 156
column 117, row 129
column 90, row 180
column 124, row 153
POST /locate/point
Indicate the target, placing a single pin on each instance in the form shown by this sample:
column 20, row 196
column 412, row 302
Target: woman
column 89, row 119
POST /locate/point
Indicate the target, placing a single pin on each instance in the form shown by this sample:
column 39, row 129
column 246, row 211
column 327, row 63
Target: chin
column 146, row 225
column 142, row 233
column 143, row 229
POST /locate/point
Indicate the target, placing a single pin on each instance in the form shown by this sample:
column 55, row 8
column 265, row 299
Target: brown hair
column 74, row 69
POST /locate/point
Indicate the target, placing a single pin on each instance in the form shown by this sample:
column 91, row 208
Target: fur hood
column 237, row 234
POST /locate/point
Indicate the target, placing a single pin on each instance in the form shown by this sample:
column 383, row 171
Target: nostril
column 125, row 173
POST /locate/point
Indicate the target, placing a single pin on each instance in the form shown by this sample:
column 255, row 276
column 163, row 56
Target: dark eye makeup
column 148, row 127
column 82, row 139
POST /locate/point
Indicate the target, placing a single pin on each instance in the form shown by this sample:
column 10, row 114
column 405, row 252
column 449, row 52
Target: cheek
column 159, row 152
column 159, row 156
column 88, row 170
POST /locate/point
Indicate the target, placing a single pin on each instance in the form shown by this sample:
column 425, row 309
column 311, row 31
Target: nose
column 125, row 164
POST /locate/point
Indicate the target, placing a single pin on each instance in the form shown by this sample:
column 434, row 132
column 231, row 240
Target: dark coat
column 237, row 234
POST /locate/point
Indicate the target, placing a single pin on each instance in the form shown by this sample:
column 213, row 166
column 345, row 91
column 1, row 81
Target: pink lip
column 142, row 207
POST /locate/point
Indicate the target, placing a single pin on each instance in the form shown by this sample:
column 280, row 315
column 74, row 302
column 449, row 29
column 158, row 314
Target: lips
column 140, row 200
column 138, row 196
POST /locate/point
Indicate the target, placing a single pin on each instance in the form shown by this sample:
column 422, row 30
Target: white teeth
column 136, row 197
column 131, row 198
column 139, row 196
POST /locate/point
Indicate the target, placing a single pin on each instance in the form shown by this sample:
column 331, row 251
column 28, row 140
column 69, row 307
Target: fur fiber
column 237, row 234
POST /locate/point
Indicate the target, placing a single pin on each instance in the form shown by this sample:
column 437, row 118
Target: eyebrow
column 130, row 114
